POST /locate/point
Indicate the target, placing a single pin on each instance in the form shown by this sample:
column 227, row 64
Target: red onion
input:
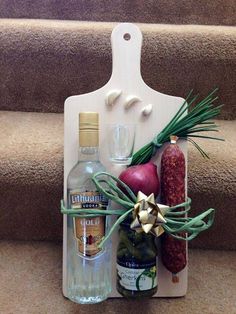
column 142, row 178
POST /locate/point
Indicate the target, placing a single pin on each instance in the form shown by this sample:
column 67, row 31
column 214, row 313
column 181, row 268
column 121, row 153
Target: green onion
column 186, row 126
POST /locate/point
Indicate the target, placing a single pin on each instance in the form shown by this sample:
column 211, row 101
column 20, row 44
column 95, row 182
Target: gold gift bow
column 148, row 215
column 175, row 222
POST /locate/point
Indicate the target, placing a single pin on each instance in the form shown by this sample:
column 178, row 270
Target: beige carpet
column 31, row 284
column 158, row 11
column 31, row 180
column 42, row 62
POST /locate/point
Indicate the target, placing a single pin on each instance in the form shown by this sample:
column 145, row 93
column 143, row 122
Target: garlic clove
column 112, row 96
column 147, row 110
column 130, row 100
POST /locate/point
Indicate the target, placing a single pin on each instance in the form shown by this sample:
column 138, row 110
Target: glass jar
column 136, row 263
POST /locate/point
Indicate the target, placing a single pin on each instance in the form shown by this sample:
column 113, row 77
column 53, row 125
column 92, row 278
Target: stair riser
column 217, row 12
column 31, row 180
column 222, row 233
column 32, row 213
column 45, row 62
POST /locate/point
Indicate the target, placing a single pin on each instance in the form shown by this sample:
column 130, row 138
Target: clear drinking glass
column 121, row 142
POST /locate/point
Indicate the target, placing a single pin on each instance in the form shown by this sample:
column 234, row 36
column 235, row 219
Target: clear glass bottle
column 88, row 268
column 136, row 263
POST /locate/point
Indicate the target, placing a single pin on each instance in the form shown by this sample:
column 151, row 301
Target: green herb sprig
column 186, row 126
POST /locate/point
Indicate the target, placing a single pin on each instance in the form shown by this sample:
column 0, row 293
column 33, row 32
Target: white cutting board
column 126, row 77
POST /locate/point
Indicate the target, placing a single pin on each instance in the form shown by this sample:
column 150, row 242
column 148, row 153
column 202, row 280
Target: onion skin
column 172, row 193
column 142, row 178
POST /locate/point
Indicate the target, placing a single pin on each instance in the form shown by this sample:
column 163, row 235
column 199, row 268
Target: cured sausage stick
column 173, row 251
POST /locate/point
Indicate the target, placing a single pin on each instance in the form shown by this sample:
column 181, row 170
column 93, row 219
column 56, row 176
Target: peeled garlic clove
column 130, row 100
column 111, row 97
column 146, row 111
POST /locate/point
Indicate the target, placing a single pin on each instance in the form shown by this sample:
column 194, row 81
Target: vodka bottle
column 88, row 268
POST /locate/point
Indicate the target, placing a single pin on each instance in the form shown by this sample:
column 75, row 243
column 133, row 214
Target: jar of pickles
column 136, row 263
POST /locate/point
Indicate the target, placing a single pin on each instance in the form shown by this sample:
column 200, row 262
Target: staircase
column 50, row 50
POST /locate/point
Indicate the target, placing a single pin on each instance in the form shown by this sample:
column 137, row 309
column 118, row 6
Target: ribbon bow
column 148, row 215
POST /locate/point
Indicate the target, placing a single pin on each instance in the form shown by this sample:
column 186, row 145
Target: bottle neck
column 88, row 153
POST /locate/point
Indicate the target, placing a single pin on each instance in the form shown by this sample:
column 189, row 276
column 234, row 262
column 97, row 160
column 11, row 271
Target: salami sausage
column 172, row 193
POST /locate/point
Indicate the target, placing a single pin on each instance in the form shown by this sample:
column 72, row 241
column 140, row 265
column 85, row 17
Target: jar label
column 88, row 231
column 138, row 279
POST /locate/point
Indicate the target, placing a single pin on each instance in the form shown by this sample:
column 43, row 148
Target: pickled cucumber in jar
column 136, row 263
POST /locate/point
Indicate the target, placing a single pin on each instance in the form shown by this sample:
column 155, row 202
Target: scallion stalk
column 186, row 126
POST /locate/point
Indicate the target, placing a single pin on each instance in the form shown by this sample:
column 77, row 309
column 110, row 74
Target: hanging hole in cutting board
column 127, row 36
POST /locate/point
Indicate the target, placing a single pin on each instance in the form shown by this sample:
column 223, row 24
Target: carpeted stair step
column 31, row 175
column 212, row 183
column 42, row 62
column 31, row 282
column 31, row 180
column 217, row 12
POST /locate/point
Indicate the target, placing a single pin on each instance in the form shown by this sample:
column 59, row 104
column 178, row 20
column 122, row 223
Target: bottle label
column 88, row 231
column 137, row 277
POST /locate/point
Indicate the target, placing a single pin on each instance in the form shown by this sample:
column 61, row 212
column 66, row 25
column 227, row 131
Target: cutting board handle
column 126, row 41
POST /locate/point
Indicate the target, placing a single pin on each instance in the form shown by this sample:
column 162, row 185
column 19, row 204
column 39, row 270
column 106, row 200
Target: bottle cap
column 88, row 120
column 88, row 129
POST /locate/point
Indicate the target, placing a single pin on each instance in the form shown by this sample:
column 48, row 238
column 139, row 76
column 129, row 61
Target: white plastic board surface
column 125, row 77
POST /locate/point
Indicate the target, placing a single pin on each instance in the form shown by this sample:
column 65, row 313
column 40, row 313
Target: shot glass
column 121, row 143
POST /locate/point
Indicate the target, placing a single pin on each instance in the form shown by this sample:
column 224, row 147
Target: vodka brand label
column 88, row 200
column 88, row 231
column 137, row 277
